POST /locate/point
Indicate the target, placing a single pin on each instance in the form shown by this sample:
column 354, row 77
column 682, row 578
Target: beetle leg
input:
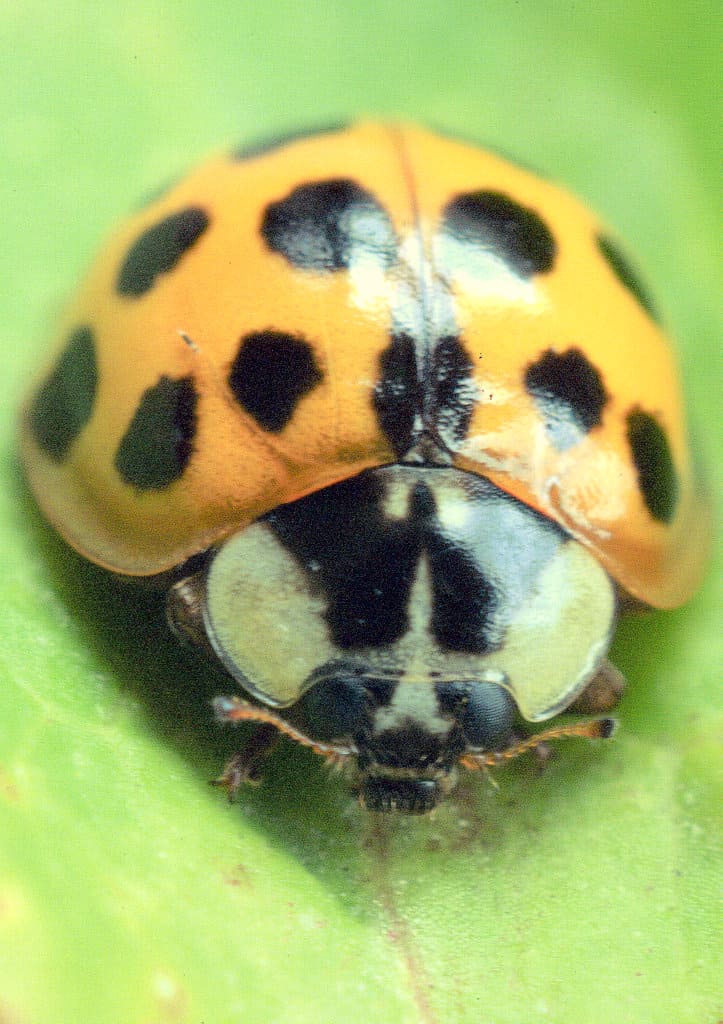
column 598, row 728
column 184, row 610
column 602, row 693
column 245, row 766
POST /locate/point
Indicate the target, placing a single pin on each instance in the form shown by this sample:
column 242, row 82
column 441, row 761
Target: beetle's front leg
column 602, row 693
column 246, row 765
column 184, row 611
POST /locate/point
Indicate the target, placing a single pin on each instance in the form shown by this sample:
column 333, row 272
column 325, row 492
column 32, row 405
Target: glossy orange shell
column 230, row 283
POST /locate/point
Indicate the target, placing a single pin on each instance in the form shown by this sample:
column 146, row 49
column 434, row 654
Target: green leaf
column 129, row 890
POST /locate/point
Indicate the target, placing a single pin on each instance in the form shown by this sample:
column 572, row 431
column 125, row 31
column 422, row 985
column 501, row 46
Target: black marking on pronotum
column 495, row 223
column 568, row 391
column 270, row 375
column 262, row 147
column 367, row 565
column 464, row 602
column 63, row 403
column 158, row 443
column 453, row 389
column 653, row 460
column 158, row 250
column 328, row 225
column 366, row 602
column 398, row 394
column 625, row 273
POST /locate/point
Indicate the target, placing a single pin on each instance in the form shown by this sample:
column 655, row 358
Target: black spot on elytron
column 158, row 443
column 261, row 147
column 493, row 222
column 488, row 717
column 63, row 404
column 398, row 395
column 453, row 389
column 159, row 249
column 444, row 406
column 328, row 225
column 568, row 391
column 657, row 477
column 625, row 273
column 271, row 373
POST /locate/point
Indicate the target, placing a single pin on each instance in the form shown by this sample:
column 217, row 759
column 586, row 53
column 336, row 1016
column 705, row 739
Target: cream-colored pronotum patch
column 262, row 616
column 265, row 617
column 559, row 635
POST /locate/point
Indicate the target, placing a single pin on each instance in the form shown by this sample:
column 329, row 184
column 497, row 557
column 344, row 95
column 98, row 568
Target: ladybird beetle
column 392, row 420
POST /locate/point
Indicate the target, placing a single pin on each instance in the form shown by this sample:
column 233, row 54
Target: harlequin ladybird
column 393, row 421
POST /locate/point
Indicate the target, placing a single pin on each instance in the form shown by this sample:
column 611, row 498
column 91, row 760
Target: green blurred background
column 129, row 892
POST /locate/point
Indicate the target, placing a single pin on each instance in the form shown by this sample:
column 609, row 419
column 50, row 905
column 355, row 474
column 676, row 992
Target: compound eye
column 488, row 717
column 332, row 708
